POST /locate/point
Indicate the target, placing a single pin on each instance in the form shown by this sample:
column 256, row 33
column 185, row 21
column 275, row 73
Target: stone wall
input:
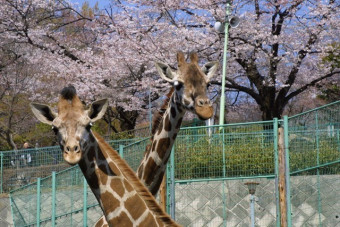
column 5, row 211
column 314, row 202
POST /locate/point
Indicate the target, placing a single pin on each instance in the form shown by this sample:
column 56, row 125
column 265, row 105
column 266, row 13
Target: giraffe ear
column 210, row 68
column 165, row 72
column 98, row 109
column 43, row 112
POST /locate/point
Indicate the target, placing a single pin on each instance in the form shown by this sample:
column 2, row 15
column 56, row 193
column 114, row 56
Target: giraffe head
column 71, row 123
column 190, row 82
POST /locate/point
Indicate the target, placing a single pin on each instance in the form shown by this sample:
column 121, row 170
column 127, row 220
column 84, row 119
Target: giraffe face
column 73, row 131
column 71, row 124
column 190, row 82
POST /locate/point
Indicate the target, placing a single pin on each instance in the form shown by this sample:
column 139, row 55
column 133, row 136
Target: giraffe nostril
column 76, row 149
column 200, row 102
column 68, row 149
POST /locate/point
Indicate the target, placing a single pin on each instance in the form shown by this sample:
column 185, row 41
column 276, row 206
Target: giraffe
column 123, row 198
column 188, row 92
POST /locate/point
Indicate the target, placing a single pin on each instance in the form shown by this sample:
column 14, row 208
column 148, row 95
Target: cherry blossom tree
column 275, row 54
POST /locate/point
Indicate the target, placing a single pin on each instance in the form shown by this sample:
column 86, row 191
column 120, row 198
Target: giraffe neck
column 152, row 167
column 123, row 198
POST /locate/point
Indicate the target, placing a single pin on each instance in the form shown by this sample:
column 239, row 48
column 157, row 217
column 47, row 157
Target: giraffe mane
column 68, row 92
column 134, row 181
column 68, row 97
column 159, row 115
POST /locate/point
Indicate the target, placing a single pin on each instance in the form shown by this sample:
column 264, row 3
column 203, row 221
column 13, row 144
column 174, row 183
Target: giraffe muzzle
column 72, row 154
column 203, row 108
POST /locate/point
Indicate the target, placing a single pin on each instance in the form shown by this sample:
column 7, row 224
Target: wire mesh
column 234, row 151
column 314, row 137
column 314, row 150
column 134, row 153
column 22, row 167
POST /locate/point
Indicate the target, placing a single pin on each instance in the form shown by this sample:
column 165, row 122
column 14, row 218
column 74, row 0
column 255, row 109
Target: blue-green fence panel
column 22, row 167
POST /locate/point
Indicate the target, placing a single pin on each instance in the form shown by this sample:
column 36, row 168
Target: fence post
column 172, row 184
column 168, row 193
column 318, row 164
column 121, row 151
column 287, row 169
column 224, row 197
column 338, row 139
column 1, row 169
column 38, row 201
column 276, row 169
column 85, row 202
column 53, row 197
column 282, row 181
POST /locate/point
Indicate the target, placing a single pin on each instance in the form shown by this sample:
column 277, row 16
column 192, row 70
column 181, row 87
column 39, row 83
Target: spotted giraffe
column 123, row 198
column 188, row 93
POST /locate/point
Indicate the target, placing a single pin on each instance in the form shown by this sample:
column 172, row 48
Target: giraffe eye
column 178, row 85
column 55, row 129
column 88, row 127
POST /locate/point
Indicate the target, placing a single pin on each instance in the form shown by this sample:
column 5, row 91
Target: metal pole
column 276, row 159
column 121, row 150
column 286, row 148
column 38, row 201
column 318, row 163
column 2, row 179
column 222, row 100
column 53, row 197
column 252, row 210
column 85, row 203
column 172, row 177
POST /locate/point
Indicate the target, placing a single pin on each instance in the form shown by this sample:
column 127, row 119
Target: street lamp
column 224, row 27
column 252, row 188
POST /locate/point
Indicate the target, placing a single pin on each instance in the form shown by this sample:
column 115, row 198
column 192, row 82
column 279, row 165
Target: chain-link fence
column 22, row 167
column 212, row 172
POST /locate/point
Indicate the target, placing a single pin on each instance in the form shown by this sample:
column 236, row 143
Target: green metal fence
column 64, row 198
column 208, row 174
column 22, row 167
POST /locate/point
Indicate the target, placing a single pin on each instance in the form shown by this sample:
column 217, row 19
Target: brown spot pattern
column 154, row 143
column 154, row 190
column 110, row 203
column 92, row 180
column 160, row 128
column 122, row 221
column 173, row 112
column 148, row 221
column 113, row 167
column 117, row 185
column 128, row 186
column 163, row 145
column 100, row 222
column 179, row 122
column 149, row 168
column 102, row 175
column 167, row 124
column 135, row 210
